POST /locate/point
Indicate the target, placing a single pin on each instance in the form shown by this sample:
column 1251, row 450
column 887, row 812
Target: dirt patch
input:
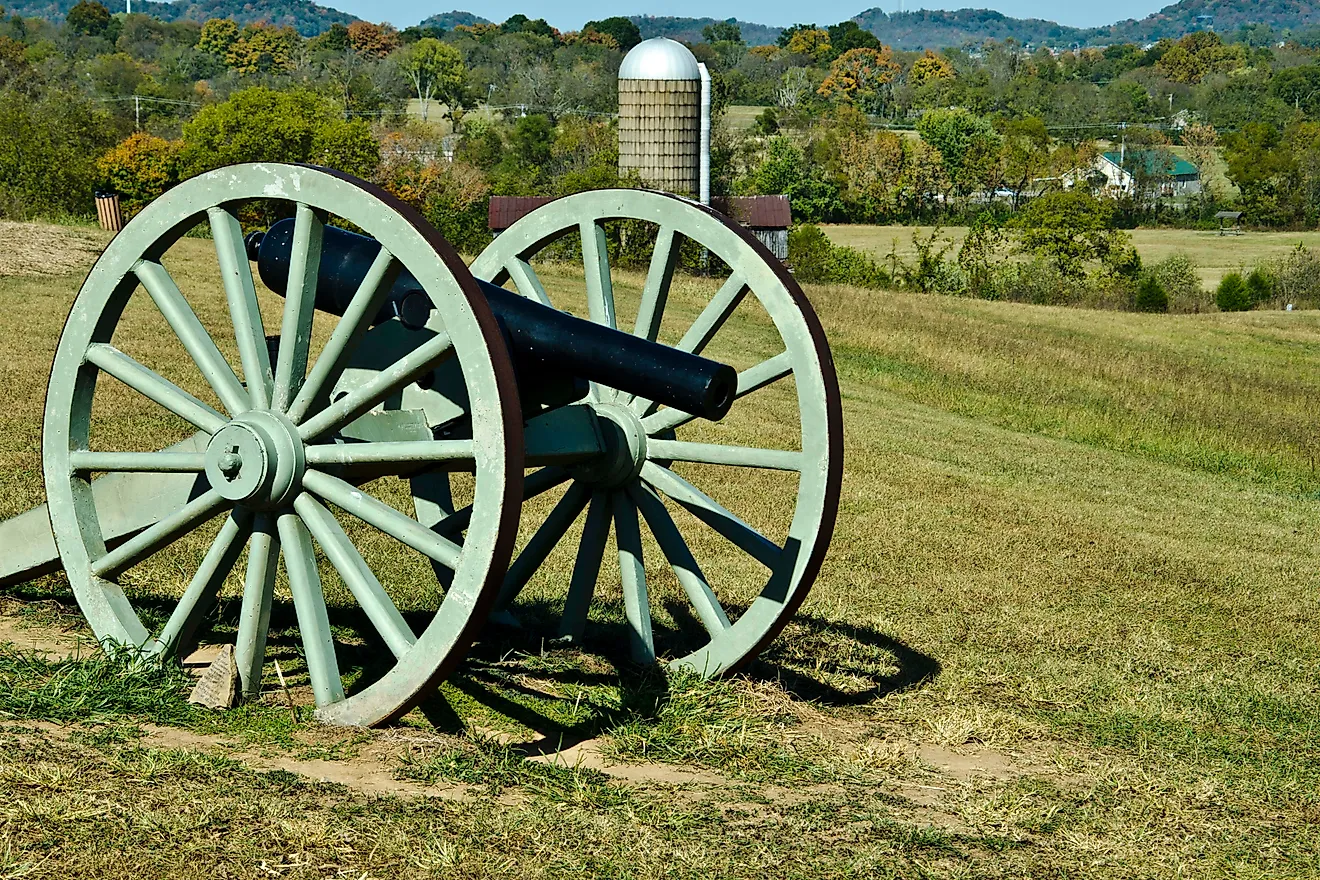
column 587, row 754
column 45, row 641
column 41, row 249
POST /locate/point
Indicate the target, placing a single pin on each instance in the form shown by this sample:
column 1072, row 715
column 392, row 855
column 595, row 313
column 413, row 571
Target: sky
column 571, row 14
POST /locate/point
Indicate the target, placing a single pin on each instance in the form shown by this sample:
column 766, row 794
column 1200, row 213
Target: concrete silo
column 664, row 118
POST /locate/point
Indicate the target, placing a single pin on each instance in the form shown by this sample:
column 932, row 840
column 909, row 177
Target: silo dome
column 660, row 58
column 660, row 116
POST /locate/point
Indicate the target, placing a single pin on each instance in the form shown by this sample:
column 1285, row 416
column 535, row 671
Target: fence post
column 108, row 213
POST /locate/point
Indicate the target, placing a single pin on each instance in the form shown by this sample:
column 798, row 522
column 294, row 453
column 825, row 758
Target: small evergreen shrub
column 1232, row 295
column 817, row 260
column 1260, row 286
column 1150, row 296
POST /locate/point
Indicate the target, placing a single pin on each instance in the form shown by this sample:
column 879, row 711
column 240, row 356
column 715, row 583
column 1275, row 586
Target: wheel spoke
column 680, row 558
column 712, row 317
column 713, row 514
column 299, row 306
column 206, row 583
column 632, row 571
column 334, row 358
column 241, row 292
column 392, row 452
column 586, row 569
column 596, row 263
column 749, row 380
column 538, row 483
column 159, row 536
column 524, row 278
column 356, row 574
column 550, row 533
column 258, row 593
column 309, row 606
column 714, row 453
column 658, row 280
column 402, row 528
column 409, row 368
column 708, row 323
column 138, row 462
column 196, row 341
column 155, row 387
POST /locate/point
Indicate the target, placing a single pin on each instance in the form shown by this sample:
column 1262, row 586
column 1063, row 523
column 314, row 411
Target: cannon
column 413, row 406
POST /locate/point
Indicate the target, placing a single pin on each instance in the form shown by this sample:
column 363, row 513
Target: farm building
column 1179, row 177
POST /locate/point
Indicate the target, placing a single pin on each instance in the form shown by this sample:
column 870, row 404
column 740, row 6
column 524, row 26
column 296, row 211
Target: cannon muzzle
column 542, row 339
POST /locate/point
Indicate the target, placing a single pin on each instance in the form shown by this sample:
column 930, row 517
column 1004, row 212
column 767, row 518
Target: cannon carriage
column 397, row 364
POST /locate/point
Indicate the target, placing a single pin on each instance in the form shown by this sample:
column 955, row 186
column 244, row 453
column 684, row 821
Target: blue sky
column 570, row 14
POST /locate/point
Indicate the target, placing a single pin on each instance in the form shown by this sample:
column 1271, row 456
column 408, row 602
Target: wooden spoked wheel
column 639, row 481
column 269, row 455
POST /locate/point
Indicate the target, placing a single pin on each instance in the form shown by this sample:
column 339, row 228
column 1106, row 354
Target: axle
column 543, row 340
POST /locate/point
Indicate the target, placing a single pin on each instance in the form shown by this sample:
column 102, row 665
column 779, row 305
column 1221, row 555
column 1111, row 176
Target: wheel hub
column 624, row 442
column 257, row 460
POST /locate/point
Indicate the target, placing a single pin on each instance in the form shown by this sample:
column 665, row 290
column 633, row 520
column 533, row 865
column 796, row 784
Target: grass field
column 1067, row 629
column 1214, row 255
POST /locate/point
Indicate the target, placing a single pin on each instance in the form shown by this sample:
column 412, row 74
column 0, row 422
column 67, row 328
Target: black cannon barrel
column 542, row 338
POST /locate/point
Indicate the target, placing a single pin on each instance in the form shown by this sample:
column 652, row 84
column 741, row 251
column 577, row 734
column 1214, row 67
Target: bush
column 1297, row 278
column 48, row 150
column 265, row 125
column 815, row 259
column 1151, row 296
column 1260, row 286
column 140, row 168
column 1181, row 283
column 1232, row 295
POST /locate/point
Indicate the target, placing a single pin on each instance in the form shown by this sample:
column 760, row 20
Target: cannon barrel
column 542, row 338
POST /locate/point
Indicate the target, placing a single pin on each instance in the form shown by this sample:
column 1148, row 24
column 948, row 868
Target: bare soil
column 28, row 249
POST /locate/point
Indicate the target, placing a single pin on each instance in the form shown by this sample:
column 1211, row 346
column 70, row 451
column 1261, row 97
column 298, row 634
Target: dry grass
column 1214, row 255
column 1066, row 629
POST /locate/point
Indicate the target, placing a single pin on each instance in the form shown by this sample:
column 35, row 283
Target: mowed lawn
column 1067, row 629
column 1214, row 255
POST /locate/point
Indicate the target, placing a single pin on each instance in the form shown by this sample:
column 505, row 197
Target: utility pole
column 137, row 111
column 128, row 7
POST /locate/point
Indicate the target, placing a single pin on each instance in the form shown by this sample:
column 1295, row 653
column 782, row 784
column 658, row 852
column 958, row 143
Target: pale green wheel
column 637, row 482
column 268, row 456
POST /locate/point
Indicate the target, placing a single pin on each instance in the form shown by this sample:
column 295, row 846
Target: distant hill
column 689, row 29
column 1224, row 16
column 938, row 29
column 308, row 18
column 449, row 20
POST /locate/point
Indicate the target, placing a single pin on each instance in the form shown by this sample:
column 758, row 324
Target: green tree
column 1073, row 229
column 218, row 36
column 1232, row 294
column 624, row 32
column 723, row 32
column 784, row 170
column 265, row 125
column 967, row 143
column 435, row 69
column 88, row 18
column 48, row 149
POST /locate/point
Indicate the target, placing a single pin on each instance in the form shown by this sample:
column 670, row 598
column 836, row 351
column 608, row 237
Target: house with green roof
column 1124, row 169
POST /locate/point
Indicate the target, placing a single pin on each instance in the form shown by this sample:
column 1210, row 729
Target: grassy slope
column 1085, row 536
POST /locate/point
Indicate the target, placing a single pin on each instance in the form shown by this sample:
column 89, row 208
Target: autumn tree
column 263, row 48
column 624, row 31
column 139, row 169
column 372, row 40
column 89, row 18
column 861, row 76
column 811, row 42
column 930, row 68
column 1198, row 55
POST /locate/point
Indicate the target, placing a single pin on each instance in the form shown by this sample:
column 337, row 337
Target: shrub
column 815, row 259
column 1260, row 286
column 1297, row 277
column 1232, row 295
column 139, row 169
column 48, row 150
column 1178, row 277
column 1151, row 296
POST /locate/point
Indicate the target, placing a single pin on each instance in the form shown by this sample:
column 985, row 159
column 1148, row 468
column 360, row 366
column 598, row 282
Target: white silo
column 664, row 113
